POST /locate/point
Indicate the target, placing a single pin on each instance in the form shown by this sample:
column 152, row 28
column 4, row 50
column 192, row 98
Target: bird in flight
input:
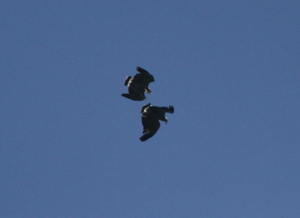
column 138, row 85
column 150, row 119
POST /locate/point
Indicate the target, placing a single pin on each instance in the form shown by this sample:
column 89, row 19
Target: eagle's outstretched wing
column 160, row 112
column 144, row 78
column 169, row 109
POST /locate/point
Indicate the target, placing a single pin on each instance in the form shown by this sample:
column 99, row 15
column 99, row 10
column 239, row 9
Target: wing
column 169, row 109
column 146, row 76
column 151, row 125
column 143, row 71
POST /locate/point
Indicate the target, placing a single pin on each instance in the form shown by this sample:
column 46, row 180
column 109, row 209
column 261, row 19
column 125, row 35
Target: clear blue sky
column 69, row 143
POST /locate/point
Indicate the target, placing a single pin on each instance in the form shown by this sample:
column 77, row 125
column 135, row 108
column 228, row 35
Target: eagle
column 138, row 85
column 150, row 119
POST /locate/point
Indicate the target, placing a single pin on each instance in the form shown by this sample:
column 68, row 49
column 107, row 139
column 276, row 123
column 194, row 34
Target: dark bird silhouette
column 150, row 119
column 138, row 85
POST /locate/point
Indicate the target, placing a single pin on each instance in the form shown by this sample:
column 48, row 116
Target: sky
column 69, row 142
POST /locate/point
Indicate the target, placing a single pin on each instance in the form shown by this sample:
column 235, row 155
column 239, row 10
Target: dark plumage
column 150, row 119
column 138, row 85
